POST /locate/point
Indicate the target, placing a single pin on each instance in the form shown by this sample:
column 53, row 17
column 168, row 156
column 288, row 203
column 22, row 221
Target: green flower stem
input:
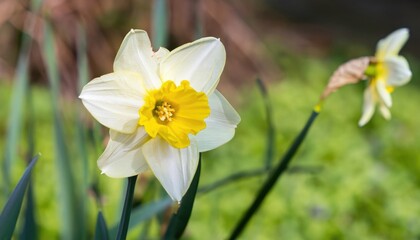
column 128, row 203
column 272, row 179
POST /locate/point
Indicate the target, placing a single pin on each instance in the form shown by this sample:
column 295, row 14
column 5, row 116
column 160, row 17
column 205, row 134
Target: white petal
column 160, row 54
column 136, row 55
column 114, row 100
column 398, row 71
column 392, row 44
column 173, row 167
column 383, row 93
column 385, row 111
column 200, row 62
column 368, row 107
column 123, row 156
column 220, row 125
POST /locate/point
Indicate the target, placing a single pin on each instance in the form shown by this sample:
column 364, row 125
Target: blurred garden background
column 345, row 182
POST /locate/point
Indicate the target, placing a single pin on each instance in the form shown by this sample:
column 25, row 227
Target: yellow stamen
column 164, row 112
column 381, row 73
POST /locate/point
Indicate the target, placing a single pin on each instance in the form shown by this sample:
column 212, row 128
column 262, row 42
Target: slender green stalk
column 269, row 153
column 232, row 178
column 128, row 204
column 272, row 179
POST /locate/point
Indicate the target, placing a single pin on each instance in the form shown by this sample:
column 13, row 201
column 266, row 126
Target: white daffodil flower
column 388, row 71
column 162, row 109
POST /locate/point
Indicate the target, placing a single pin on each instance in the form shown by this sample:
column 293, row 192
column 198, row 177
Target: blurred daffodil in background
column 162, row 109
column 387, row 71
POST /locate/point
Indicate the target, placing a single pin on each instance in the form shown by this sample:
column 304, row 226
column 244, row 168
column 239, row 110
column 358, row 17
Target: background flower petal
column 173, row 167
column 383, row 93
column 123, row 156
column 200, row 62
column 392, row 44
column 399, row 72
column 114, row 100
column 368, row 107
column 136, row 55
column 220, row 125
column 385, row 111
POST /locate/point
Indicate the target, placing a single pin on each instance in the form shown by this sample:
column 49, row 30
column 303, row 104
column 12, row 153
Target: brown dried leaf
column 348, row 73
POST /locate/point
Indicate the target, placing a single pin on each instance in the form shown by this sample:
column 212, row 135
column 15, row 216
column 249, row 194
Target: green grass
column 346, row 182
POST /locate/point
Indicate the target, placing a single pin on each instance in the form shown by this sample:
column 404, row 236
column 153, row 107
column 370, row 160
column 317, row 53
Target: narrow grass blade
column 10, row 213
column 69, row 204
column 198, row 21
column 179, row 220
column 18, row 98
column 272, row 179
column 81, row 137
column 128, row 204
column 147, row 211
column 29, row 229
column 101, row 231
column 14, row 128
column 160, row 23
column 82, row 60
column 144, row 213
column 16, row 113
column 270, row 125
column 232, row 178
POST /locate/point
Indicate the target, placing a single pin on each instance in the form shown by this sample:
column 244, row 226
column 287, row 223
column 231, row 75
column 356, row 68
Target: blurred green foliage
column 345, row 182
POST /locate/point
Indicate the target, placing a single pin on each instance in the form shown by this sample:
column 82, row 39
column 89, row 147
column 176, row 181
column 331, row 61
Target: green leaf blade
column 101, row 231
column 11, row 210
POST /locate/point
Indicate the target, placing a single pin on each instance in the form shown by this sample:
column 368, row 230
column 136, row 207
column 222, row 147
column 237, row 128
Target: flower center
column 173, row 112
column 378, row 72
column 164, row 112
